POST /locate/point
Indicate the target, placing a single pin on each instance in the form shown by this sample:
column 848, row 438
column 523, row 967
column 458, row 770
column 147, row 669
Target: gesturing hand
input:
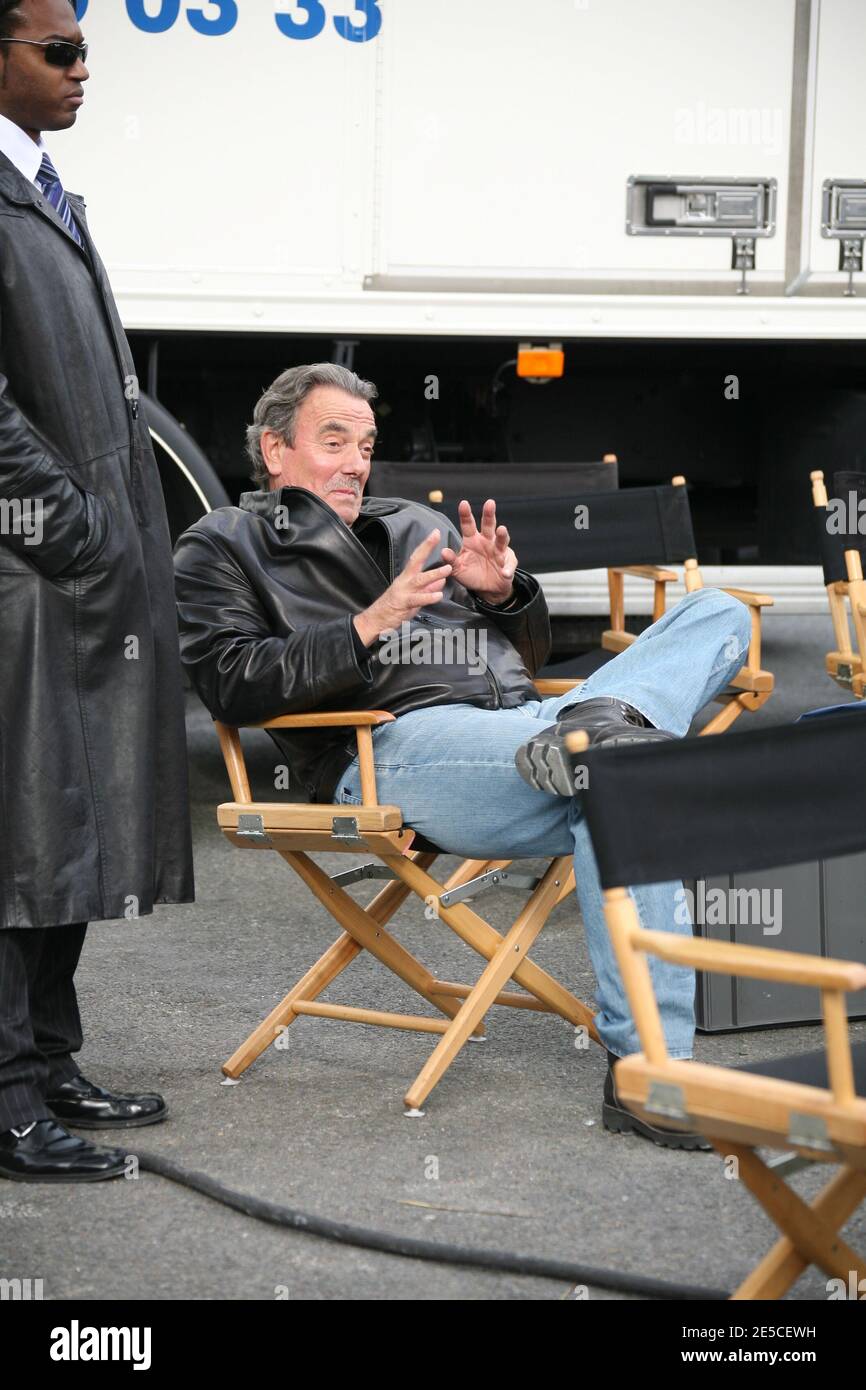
column 413, row 588
column 486, row 564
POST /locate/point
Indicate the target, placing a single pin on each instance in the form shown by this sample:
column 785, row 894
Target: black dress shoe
column 83, row 1105
column 46, row 1152
column 617, row 1117
column 545, row 762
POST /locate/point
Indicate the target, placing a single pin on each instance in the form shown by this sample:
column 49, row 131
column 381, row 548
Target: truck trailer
column 666, row 203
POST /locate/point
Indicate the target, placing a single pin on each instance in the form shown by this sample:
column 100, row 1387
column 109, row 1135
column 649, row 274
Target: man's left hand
column 486, row 564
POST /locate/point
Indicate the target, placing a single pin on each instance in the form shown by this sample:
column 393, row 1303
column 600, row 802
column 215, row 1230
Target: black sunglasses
column 58, row 54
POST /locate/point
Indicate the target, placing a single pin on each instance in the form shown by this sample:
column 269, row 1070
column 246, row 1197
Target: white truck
column 673, row 192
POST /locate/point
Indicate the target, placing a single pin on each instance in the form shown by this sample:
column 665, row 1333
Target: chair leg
column 724, row 719
column 784, row 1264
column 512, row 949
column 326, row 969
column 486, row 941
column 568, row 886
column 334, row 961
column 810, row 1232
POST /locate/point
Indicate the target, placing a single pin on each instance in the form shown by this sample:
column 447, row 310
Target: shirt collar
column 17, row 146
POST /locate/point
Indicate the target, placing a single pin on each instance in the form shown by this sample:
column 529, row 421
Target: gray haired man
column 283, row 603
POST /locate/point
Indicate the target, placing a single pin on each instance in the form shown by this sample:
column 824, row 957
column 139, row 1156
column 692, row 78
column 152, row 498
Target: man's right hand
column 411, row 591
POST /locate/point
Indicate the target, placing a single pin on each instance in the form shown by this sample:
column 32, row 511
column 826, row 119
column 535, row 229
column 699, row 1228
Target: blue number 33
column 313, row 25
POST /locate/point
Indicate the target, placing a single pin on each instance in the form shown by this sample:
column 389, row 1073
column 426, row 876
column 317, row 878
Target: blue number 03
column 360, row 33
column 308, row 28
column 153, row 24
column 224, row 22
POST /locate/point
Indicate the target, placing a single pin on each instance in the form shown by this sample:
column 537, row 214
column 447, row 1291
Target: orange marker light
column 540, row 362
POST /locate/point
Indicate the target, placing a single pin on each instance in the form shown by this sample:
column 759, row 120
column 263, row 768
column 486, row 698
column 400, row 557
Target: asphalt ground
column 511, row 1152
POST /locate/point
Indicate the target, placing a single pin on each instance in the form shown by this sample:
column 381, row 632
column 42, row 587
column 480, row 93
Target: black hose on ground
column 410, row 1248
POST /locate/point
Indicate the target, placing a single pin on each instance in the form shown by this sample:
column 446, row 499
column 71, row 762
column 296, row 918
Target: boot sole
column 621, row 1122
column 545, row 765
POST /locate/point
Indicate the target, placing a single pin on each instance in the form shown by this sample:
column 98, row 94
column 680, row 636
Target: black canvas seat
column 810, row 1068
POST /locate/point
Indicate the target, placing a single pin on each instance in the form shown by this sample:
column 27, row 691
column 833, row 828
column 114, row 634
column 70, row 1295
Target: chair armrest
column 359, row 718
column 615, row 640
column 659, row 578
column 753, row 600
column 557, row 685
column 653, row 572
column 753, row 962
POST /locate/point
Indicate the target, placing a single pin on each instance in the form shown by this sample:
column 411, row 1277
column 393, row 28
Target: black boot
column 545, row 762
column 617, row 1117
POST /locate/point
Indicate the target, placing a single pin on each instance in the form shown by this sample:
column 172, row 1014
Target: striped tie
column 49, row 181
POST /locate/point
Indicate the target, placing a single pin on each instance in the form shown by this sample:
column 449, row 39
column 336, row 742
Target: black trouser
column 40, row 1026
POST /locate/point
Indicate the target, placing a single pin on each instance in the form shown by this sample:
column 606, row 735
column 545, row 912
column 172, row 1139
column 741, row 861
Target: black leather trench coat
column 94, row 818
column 266, row 595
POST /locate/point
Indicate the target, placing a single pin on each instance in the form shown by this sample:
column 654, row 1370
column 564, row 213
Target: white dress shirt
column 24, row 153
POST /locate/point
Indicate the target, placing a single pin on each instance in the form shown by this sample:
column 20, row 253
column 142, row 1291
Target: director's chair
column 662, row 812
column 637, row 531
column 296, row 830
column 842, row 560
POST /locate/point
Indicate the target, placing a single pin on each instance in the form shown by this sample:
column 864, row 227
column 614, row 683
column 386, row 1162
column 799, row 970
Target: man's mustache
column 336, row 483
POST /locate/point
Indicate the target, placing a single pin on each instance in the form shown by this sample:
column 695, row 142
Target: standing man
column 93, row 794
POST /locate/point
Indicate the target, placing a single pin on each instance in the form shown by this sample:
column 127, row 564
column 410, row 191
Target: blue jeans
column 451, row 770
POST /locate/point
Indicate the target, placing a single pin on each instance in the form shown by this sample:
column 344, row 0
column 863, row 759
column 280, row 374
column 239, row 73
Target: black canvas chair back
column 678, row 810
column 438, row 483
column 583, row 530
column 849, row 489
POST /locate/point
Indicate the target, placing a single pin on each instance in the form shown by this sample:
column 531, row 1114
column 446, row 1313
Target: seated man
column 308, row 597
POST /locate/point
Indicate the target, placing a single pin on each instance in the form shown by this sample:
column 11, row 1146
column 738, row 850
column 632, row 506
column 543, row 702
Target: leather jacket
column 266, row 595
column 94, row 807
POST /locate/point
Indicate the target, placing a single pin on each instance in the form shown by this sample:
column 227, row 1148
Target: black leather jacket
column 266, row 595
column 94, row 807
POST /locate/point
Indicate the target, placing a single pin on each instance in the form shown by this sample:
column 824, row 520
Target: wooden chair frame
column 846, row 664
column 750, row 688
column 858, row 682
column 738, row 1111
column 295, row 829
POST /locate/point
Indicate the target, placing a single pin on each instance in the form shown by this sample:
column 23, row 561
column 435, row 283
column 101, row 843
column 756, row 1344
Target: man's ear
column 273, row 449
